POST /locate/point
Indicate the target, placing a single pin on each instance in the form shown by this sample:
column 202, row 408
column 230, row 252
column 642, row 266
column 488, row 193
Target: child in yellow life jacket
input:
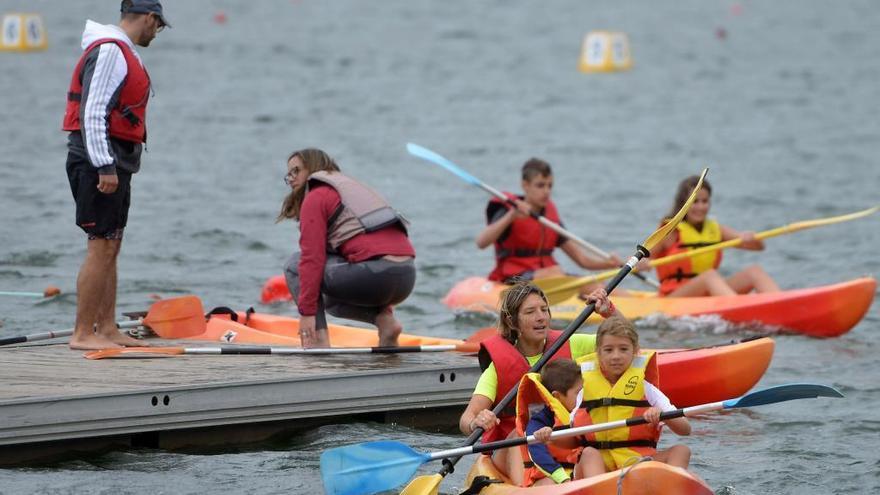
column 620, row 382
column 543, row 402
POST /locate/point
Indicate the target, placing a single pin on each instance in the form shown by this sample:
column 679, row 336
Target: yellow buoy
column 605, row 51
column 23, row 33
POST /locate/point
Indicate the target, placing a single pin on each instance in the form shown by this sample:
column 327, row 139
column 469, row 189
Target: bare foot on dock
column 121, row 339
column 389, row 328
column 92, row 342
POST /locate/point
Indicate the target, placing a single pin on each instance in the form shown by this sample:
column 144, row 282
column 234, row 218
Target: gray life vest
column 361, row 210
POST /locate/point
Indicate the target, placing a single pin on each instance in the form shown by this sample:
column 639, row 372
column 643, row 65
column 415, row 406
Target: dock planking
column 54, row 401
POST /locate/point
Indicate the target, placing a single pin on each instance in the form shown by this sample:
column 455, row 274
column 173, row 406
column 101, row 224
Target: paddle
column 468, row 347
column 427, row 484
column 559, row 289
column 372, row 467
column 436, row 158
column 167, row 317
column 51, row 291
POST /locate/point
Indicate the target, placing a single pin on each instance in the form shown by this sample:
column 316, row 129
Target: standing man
column 106, row 112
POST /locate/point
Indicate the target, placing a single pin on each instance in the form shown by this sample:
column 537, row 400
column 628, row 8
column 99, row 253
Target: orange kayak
column 646, row 478
column 687, row 376
column 826, row 311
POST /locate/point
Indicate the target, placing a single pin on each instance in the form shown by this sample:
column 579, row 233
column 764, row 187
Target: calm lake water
column 779, row 99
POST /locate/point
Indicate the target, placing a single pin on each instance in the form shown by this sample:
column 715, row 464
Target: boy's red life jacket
column 527, row 246
column 510, row 366
column 127, row 119
column 687, row 238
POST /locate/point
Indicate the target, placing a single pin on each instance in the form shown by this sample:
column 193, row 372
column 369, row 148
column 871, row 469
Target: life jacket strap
column 566, row 465
column 678, row 276
column 71, row 96
column 613, row 401
column 619, row 444
column 523, row 253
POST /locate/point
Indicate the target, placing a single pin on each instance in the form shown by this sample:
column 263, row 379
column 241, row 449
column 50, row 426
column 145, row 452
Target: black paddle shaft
column 641, row 252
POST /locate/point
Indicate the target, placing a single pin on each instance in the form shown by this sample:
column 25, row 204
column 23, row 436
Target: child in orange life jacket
column 620, row 382
column 543, row 402
column 523, row 246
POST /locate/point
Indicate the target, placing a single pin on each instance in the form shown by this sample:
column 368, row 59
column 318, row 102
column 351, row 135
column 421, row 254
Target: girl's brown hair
column 512, row 299
column 313, row 160
column 560, row 375
column 685, row 188
column 617, row 326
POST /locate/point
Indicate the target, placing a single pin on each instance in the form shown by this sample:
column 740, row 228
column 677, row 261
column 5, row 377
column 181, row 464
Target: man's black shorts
column 99, row 215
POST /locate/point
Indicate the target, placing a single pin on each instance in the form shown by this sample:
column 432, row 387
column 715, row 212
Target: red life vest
column 128, row 117
column 510, row 366
column 527, row 246
column 687, row 238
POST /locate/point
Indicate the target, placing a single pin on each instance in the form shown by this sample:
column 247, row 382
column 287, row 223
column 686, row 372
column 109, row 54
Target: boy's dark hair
column 560, row 375
column 535, row 167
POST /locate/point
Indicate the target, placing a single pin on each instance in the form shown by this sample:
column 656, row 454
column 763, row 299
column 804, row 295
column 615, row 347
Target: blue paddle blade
column 370, row 467
column 782, row 393
column 426, row 154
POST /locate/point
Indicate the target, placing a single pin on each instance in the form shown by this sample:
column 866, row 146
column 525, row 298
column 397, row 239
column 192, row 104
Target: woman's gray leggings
column 356, row 291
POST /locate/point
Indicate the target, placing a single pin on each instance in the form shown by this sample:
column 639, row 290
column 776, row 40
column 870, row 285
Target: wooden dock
column 54, row 401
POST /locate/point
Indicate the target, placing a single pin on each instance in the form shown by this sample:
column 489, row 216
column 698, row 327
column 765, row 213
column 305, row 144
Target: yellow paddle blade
column 423, row 485
column 664, row 231
column 116, row 352
column 558, row 290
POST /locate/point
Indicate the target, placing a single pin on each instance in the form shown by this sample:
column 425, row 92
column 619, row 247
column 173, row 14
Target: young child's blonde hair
column 617, row 326
column 560, row 375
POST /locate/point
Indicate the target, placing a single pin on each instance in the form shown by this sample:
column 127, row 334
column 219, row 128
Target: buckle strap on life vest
column 613, row 401
column 523, row 253
column 71, row 96
column 697, row 244
column 678, row 276
column 566, row 465
column 619, row 444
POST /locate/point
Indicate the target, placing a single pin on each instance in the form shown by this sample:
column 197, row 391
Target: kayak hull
column 687, row 376
column 646, row 478
column 825, row 311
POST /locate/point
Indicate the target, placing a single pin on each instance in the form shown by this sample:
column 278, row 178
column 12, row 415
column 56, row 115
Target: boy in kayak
column 543, row 403
column 698, row 276
column 524, row 247
column 619, row 384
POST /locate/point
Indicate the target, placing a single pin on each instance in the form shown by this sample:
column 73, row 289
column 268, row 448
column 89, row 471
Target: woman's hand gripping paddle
column 372, row 467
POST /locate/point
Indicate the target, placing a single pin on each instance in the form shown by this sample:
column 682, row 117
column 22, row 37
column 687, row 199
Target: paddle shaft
column 23, row 294
column 561, row 231
column 265, row 350
column 641, row 252
column 61, row 333
column 571, row 432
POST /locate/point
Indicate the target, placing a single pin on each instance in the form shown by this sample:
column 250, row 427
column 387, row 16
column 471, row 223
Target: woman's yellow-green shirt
column 581, row 345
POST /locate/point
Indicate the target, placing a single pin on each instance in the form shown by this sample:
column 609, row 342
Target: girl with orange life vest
column 524, row 334
column 698, row 275
column 620, row 382
column 355, row 258
column 524, row 247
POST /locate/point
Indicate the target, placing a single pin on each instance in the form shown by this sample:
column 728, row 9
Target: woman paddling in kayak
column 698, row 275
column 355, row 258
column 523, row 246
column 524, row 334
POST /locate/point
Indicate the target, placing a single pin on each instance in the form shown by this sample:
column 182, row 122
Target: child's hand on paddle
column 652, row 415
column 543, row 435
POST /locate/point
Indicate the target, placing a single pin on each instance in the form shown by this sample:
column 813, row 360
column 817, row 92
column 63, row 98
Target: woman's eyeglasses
column 288, row 179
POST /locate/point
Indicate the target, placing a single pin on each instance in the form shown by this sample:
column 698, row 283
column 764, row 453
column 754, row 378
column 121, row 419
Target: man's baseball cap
column 144, row 7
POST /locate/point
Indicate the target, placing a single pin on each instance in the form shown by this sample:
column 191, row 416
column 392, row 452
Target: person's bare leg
column 590, row 464
column 389, row 328
column 510, row 462
column 90, row 293
column 708, row 283
column 677, row 455
column 106, row 314
column 548, row 272
column 753, row 277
